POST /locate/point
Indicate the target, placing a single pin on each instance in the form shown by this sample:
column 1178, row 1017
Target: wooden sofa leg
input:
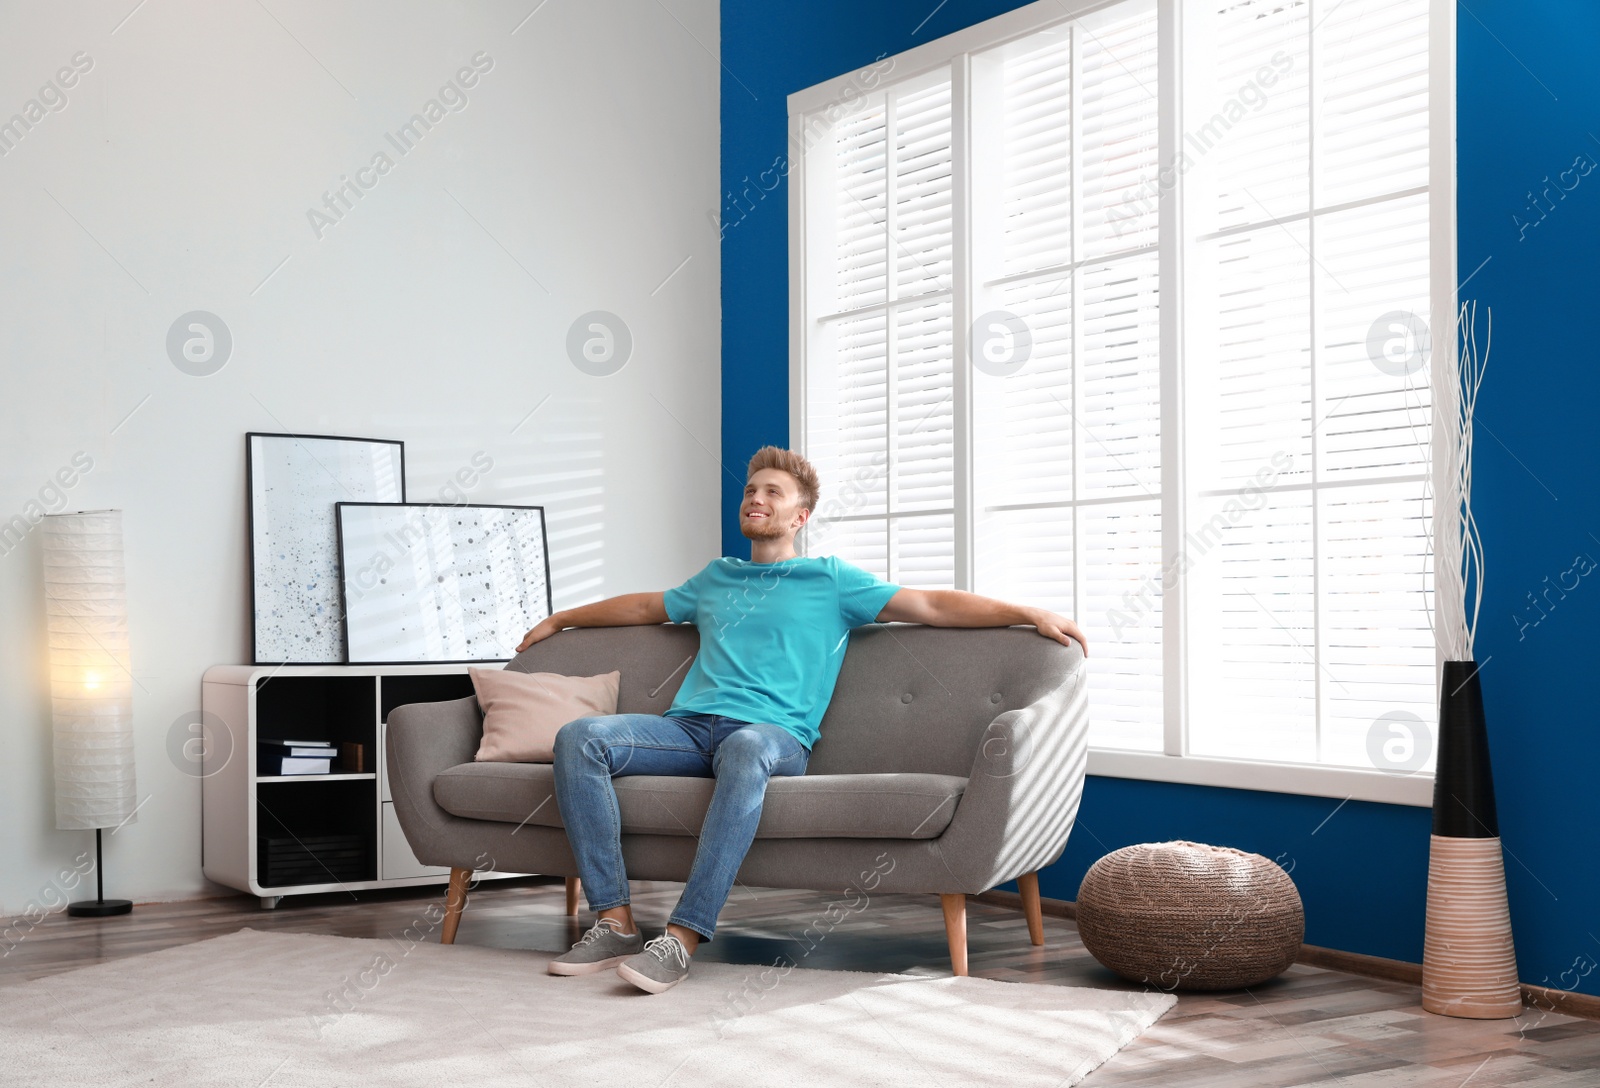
column 455, row 901
column 955, row 929
column 1028, row 884
column 573, row 885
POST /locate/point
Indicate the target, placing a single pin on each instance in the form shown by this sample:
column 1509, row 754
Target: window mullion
column 800, row 258
column 1169, row 232
column 1314, row 324
column 1075, row 308
column 962, row 163
column 891, row 394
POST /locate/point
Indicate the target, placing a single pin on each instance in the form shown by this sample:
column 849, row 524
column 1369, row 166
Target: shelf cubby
column 276, row 835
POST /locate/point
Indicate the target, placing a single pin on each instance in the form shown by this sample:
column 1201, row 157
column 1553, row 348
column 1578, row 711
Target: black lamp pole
column 99, row 906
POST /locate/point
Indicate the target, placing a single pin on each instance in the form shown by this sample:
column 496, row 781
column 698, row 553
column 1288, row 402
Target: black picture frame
column 345, row 573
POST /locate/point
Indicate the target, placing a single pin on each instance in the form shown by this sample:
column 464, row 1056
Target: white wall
column 178, row 175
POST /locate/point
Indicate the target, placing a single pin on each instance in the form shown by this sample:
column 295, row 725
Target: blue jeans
column 590, row 752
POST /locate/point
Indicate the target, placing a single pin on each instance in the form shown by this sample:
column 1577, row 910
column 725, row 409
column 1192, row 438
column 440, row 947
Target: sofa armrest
column 422, row 740
column 1023, row 792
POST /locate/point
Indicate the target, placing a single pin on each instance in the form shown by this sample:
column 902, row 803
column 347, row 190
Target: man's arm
column 954, row 608
column 628, row 610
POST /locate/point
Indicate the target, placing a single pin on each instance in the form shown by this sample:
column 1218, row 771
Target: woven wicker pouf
column 1186, row 916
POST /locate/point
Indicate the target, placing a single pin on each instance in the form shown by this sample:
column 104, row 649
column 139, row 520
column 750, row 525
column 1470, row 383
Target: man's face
column 771, row 508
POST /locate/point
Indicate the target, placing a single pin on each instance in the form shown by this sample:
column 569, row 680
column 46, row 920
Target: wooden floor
column 1311, row 1026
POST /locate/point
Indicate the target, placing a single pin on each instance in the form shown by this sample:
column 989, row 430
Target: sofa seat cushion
column 852, row 806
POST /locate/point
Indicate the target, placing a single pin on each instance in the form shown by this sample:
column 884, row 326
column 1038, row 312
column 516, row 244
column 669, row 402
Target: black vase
column 1463, row 784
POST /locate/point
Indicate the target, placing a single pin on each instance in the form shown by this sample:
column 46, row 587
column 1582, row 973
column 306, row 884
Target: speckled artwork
column 294, row 481
column 426, row 582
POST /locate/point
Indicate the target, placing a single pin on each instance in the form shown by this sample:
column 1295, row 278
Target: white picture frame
column 293, row 482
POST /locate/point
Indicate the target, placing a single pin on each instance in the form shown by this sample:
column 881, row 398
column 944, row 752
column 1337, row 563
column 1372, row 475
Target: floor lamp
column 91, row 683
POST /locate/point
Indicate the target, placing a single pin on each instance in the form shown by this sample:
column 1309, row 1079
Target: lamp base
column 99, row 908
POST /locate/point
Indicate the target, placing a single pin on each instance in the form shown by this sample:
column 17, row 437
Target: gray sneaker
column 662, row 965
column 605, row 945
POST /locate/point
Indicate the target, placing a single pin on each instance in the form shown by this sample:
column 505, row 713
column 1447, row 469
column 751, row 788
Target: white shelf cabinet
column 239, row 807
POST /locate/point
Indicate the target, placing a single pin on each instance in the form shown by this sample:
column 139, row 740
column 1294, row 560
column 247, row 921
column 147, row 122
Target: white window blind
column 1067, row 446
column 882, row 405
column 1309, row 612
column 1022, row 179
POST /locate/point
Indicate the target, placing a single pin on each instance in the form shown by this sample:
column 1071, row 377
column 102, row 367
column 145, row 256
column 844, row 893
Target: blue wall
column 1528, row 103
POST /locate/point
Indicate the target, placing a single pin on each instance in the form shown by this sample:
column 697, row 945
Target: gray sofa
column 950, row 761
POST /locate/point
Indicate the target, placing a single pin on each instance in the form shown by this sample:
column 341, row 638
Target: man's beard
column 762, row 529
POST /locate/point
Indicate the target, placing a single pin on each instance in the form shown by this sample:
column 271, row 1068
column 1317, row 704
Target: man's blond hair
column 792, row 463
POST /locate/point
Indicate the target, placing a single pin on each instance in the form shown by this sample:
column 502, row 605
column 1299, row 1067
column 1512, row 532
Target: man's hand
column 543, row 630
column 1059, row 628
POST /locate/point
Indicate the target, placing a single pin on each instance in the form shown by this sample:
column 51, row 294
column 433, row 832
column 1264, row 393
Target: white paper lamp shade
column 91, row 681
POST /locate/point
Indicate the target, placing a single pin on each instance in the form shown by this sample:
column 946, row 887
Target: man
column 772, row 638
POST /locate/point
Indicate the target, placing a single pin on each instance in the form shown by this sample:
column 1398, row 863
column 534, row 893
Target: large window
column 1125, row 310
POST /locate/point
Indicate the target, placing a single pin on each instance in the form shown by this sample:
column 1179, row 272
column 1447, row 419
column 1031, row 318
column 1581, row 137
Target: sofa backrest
column 909, row 698
column 652, row 660
column 913, row 698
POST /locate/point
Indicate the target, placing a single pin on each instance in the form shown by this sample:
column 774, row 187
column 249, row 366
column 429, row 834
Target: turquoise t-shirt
column 772, row 637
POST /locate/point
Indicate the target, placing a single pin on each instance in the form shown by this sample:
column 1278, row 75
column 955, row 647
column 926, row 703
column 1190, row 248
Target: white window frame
column 1173, row 764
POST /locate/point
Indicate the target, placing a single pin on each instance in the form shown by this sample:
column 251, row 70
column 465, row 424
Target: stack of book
column 280, row 757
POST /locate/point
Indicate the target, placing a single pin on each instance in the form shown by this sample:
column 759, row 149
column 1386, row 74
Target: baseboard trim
column 1357, row 963
column 1543, row 998
column 1059, row 908
column 1563, row 1001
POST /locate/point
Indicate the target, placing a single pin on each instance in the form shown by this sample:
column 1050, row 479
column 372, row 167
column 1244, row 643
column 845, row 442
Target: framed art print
column 441, row 582
column 294, row 480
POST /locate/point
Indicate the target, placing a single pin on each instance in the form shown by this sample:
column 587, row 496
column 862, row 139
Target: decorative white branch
column 1458, row 547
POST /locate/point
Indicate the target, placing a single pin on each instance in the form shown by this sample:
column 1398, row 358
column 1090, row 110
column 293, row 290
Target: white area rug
column 282, row 1010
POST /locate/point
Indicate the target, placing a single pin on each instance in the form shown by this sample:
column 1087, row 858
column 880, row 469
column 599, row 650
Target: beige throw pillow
column 523, row 710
